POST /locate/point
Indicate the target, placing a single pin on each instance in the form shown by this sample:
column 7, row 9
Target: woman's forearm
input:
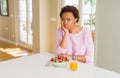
column 81, row 58
column 63, row 42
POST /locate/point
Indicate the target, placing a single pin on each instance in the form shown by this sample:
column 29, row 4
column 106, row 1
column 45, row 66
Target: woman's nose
column 65, row 22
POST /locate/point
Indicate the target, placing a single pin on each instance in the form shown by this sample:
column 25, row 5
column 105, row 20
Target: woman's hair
column 72, row 9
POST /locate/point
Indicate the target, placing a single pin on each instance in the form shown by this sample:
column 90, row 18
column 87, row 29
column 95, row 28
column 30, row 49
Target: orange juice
column 74, row 65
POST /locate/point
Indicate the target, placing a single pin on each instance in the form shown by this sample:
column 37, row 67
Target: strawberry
column 66, row 59
column 60, row 60
column 59, row 57
column 52, row 59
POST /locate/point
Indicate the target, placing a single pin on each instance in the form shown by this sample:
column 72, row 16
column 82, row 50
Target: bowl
column 59, row 61
column 59, row 64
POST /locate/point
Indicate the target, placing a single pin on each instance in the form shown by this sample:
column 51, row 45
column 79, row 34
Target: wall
column 7, row 27
column 108, row 38
column 36, row 26
column 53, row 24
column 44, row 25
column 45, row 36
column 41, row 26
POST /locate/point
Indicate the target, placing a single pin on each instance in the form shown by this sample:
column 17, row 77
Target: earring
column 76, row 23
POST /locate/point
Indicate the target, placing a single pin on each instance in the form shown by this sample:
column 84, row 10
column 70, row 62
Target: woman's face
column 68, row 20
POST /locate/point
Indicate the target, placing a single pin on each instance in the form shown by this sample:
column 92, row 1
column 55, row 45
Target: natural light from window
column 16, row 52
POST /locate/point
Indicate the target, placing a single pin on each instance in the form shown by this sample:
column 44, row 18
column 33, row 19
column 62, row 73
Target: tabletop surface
column 34, row 66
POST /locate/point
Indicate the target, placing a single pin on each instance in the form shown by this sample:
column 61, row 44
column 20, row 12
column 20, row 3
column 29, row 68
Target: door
column 25, row 21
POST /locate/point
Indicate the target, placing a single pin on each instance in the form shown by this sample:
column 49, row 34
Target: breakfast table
column 37, row 66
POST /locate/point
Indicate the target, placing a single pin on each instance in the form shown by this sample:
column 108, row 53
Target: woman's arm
column 80, row 58
column 89, row 53
column 61, row 41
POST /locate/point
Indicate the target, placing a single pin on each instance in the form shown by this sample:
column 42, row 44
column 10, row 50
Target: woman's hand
column 63, row 42
column 80, row 58
column 64, row 29
column 65, row 55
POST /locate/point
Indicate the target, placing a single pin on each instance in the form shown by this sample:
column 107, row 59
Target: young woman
column 74, row 40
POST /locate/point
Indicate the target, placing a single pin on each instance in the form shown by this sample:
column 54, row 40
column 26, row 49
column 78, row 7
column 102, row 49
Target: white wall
column 44, row 29
column 53, row 24
column 7, row 27
column 36, row 26
column 45, row 36
column 108, row 37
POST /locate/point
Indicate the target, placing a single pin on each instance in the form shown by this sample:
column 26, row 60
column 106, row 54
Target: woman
column 73, row 41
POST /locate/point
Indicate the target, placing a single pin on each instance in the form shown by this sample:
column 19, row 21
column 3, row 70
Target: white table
column 34, row 67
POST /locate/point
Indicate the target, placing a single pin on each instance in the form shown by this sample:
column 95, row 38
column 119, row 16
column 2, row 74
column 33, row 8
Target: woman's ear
column 75, row 20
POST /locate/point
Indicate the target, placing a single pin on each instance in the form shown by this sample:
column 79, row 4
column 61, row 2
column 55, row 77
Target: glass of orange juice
column 73, row 65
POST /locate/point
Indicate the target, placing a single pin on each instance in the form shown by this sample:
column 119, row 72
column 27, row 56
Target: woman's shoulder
column 59, row 30
column 85, row 29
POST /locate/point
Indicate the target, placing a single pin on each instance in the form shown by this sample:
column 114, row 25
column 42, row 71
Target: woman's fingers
column 64, row 29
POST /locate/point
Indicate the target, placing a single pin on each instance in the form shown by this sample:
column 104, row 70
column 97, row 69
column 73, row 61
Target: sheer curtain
column 25, row 21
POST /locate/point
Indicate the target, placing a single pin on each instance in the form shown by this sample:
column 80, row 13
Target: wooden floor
column 6, row 49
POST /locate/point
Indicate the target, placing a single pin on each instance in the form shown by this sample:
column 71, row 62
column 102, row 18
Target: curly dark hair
column 72, row 9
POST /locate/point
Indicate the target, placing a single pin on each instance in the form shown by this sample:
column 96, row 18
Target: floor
column 9, row 51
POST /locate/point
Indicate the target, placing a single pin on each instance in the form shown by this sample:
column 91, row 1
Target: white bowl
column 59, row 64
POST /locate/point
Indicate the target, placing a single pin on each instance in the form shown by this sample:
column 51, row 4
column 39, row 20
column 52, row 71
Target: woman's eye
column 69, row 19
column 62, row 19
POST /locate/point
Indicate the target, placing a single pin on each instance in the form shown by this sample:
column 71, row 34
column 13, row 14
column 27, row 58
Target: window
column 71, row 2
column 4, row 7
column 87, row 9
column 25, row 21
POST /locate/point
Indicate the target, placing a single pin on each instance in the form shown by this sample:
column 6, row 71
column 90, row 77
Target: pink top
column 77, row 44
